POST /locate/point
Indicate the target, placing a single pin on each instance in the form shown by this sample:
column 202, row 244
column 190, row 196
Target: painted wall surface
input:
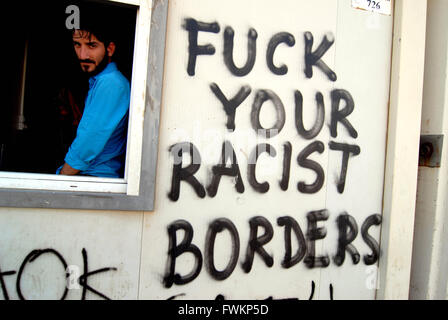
column 429, row 279
column 301, row 220
column 100, row 249
column 273, row 237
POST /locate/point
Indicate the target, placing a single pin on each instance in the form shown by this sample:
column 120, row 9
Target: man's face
column 92, row 53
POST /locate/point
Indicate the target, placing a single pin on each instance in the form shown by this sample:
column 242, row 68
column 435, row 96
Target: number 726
column 374, row 4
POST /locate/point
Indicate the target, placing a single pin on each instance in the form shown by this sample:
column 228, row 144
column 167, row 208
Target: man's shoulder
column 112, row 77
column 115, row 78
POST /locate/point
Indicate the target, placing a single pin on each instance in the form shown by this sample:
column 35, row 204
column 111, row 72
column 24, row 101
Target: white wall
column 360, row 57
column 429, row 263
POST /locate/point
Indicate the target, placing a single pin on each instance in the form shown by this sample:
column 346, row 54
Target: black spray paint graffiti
column 34, row 255
column 313, row 57
column 221, row 297
column 186, row 174
column 261, row 231
column 310, row 57
column 306, row 243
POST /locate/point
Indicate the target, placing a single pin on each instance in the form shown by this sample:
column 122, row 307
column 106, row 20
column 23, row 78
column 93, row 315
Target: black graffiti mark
column 287, row 151
column 253, row 157
column 2, row 282
column 331, row 292
column 374, row 219
column 32, row 256
column 306, row 245
column 251, row 52
column 176, row 250
column 83, row 278
column 314, row 233
column 193, row 27
column 221, row 297
column 228, row 154
column 271, row 298
column 341, row 115
column 291, row 224
column 347, row 150
column 314, row 58
column 176, row 295
column 346, row 222
column 215, row 227
column 35, row 254
column 256, row 242
column 231, row 105
column 185, row 174
column 281, row 37
column 260, row 98
column 320, row 116
column 303, row 161
column 313, row 288
column 222, row 170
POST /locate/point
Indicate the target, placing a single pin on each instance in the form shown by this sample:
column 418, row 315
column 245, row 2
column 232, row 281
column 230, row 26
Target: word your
column 306, row 251
column 35, row 254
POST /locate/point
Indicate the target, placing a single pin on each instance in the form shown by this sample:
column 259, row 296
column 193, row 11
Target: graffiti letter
column 193, row 26
column 251, row 52
column 314, row 58
column 291, row 224
column 259, row 149
column 86, row 274
column 346, row 149
column 310, row 164
column 314, row 233
column 231, row 105
column 218, row 226
column 187, row 173
column 374, row 219
column 284, row 183
column 221, row 170
column 260, row 98
column 33, row 255
column 176, row 250
column 341, row 115
column 282, row 37
column 256, row 243
column 345, row 222
column 318, row 124
column 2, row 282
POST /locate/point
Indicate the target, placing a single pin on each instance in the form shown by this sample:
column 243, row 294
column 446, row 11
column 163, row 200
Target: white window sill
column 53, row 182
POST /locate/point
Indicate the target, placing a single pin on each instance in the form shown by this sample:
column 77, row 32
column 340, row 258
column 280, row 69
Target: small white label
column 379, row 6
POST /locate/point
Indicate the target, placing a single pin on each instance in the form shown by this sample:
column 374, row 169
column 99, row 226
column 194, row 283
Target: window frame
column 136, row 191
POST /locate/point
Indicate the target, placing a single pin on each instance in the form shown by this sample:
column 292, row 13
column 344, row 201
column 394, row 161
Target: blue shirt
column 100, row 143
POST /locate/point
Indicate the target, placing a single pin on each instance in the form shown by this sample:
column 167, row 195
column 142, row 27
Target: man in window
column 100, row 143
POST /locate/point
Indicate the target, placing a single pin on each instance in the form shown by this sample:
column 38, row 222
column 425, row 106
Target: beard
column 100, row 67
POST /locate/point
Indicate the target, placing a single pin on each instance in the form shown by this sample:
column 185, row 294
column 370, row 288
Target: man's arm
column 68, row 170
column 105, row 108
